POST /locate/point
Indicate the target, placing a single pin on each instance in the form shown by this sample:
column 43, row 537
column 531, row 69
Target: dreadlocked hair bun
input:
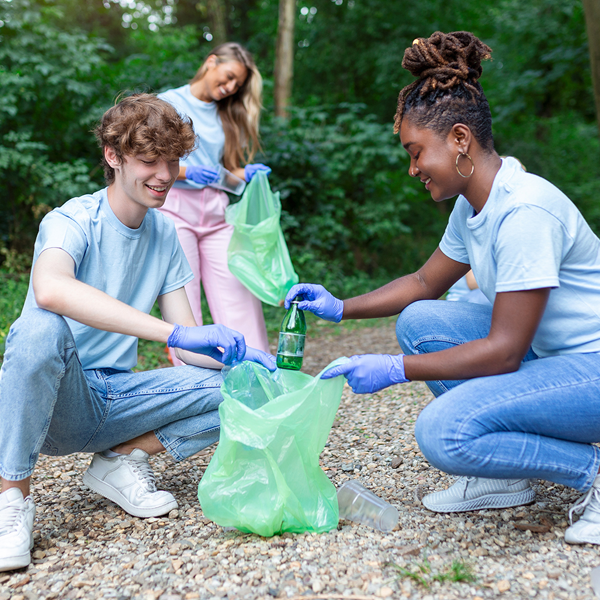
column 443, row 62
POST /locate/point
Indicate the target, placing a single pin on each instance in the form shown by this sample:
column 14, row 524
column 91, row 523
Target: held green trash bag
column 264, row 476
column 257, row 254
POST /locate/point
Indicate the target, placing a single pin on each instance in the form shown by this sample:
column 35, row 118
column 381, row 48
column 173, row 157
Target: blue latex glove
column 201, row 174
column 207, row 340
column 368, row 373
column 251, row 170
column 317, row 300
column 258, row 356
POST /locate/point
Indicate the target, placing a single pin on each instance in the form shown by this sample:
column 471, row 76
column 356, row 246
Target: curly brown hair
column 447, row 91
column 144, row 124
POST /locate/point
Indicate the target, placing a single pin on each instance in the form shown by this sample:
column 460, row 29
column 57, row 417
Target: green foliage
column 158, row 61
column 352, row 216
column 423, row 573
column 541, row 61
column 14, row 280
column 49, row 88
column 345, row 194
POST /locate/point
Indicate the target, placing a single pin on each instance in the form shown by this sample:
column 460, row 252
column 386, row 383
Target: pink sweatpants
column 204, row 235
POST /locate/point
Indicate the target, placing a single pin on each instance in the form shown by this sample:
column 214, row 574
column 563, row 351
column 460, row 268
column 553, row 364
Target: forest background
column 352, row 216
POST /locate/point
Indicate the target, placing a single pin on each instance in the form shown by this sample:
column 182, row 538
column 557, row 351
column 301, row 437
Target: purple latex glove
column 263, row 358
column 251, row 170
column 317, row 300
column 368, row 373
column 207, row 340
column 202, row 174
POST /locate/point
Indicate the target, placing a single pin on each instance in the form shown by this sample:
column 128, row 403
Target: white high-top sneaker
column 587, row 529
column 16, row 529
column 128, row 481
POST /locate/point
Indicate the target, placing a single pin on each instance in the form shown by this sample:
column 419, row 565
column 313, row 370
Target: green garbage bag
column 264, row 476
column 257, row 254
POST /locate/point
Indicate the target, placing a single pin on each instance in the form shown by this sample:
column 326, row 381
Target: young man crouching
column 100, row 262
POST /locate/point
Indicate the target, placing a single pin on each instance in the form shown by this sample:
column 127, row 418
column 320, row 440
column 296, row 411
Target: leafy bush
column 348, row 203
column 564, row 149
column 49, row 89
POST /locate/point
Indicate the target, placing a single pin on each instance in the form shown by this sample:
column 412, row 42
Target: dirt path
column 86, row 547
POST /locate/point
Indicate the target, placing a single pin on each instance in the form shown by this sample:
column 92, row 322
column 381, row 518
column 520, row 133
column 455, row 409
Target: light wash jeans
column 50, row 405
column 539, row 421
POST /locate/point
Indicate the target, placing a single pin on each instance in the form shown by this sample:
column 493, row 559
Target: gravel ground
column 86, row 547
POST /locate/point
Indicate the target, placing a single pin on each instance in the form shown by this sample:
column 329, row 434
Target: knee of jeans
column 409, row 323
column 437, row 434
column 37, row 328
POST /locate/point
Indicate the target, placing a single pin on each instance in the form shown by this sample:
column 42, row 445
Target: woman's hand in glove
column 317, row 300
column 251, row 170
column 202, row 174
column 368, row 373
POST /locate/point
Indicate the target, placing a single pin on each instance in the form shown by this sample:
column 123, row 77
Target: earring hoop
column 472, row 165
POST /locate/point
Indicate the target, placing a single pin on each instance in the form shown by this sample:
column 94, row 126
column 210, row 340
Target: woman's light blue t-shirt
column 210, row 137
column 134, row 266
column 529, row 235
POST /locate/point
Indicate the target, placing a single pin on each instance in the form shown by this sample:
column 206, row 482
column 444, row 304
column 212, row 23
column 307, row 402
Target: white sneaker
column 477, row 493
column 587, row 529
column 16, row 529
column 128, row 481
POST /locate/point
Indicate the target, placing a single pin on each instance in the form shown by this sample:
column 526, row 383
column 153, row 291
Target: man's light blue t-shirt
column 134, row 266
column 210, row 137
column 529, row 235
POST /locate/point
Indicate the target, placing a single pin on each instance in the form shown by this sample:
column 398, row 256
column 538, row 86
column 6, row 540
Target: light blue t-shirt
column 134, row 266
column 529, row 235
column 210, row 137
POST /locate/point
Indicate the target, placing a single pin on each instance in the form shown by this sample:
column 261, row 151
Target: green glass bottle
column 290, row 350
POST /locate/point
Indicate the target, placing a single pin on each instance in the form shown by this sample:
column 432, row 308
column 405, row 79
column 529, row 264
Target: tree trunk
column 284, row 57
column 216, row 16
column 592, row 23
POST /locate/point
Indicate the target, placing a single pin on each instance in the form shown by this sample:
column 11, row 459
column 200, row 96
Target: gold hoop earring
column 472, row 165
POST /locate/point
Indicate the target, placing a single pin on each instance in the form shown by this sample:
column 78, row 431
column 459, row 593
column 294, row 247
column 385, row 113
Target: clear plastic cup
column 358, row 504
column 229, row 182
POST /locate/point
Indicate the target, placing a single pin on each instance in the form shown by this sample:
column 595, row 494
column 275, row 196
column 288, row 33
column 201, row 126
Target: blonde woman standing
column 223, row 101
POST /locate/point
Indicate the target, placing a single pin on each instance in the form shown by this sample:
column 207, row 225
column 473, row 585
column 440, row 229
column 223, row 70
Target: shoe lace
column 464, row 481
column 580, row 505
column 143, row 472
column 10, row 518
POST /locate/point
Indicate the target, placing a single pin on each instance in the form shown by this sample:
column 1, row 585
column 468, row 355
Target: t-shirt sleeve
column 452, row 244
column 179, row 272
column 58, row 230
column 175, row 100
column 528, row 249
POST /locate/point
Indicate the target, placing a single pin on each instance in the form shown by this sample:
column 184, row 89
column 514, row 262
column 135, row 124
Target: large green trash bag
column 264, row 476
column 257, row 254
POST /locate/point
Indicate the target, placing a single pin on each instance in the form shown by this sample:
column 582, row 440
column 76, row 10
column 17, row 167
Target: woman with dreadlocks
column 517, row 384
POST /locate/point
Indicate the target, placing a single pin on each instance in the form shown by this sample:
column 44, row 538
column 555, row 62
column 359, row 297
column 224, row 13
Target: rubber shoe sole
column 19, row 561
column 577, row 534
column 585, row 539
column 488, row 501
column 109, row 492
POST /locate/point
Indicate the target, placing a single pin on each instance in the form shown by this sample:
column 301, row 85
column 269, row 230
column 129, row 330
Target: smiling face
column 222, row 79
column 141, row 182
column 433, row 160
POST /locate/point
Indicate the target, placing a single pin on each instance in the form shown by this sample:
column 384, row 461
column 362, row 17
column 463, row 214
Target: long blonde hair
column 240, row 112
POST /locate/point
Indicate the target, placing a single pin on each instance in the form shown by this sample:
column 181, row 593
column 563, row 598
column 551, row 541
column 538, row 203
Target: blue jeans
column 539, row 421
column 50, row 405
